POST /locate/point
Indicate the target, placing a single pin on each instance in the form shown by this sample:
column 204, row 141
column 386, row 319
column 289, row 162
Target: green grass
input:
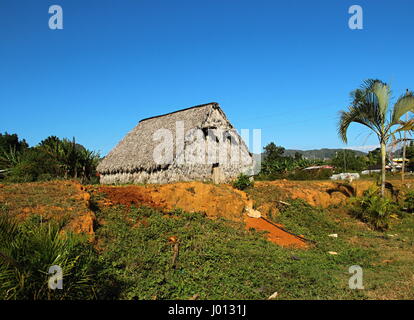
column 218, row 259
column 221, row 260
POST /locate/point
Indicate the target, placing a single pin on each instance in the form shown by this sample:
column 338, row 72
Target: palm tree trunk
column 382, row 168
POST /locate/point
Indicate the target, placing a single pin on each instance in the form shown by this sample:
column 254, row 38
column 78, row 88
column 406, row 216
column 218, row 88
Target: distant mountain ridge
column 324, row 153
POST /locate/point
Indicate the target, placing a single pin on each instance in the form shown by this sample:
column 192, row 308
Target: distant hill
column 324, row 153
column 311, row 154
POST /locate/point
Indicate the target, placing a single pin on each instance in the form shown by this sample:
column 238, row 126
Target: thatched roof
column 135, row 151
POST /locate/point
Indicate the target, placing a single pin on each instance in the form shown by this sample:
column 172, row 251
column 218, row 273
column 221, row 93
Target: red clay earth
column 59, row 199
column 53, row 200
column 275, row 234
column 214, row 200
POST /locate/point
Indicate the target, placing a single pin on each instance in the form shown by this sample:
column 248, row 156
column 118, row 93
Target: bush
column 28, row 250
column 243, row 182
column 374, row 209
column 320, row 174
column 33, row 165
column 52, row 158
column 409, row 201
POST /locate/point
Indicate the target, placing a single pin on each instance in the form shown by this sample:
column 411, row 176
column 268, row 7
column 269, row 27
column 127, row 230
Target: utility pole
column 405, row 135
column 344, row 162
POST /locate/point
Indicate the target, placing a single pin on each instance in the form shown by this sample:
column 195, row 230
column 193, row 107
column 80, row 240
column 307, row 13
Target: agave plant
column 370, row 107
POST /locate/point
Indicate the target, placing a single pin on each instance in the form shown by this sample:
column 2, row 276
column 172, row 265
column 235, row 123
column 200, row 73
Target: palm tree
column 369, row 107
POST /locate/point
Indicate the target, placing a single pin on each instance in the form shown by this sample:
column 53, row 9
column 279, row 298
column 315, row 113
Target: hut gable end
column 132, row 159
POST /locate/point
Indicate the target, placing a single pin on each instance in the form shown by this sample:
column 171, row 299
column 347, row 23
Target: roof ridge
column 193, row 107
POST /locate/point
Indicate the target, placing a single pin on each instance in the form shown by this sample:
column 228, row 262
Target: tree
column 75, row 160
column 8, row 141
column 273, row 152
column 409, row 153
column 298, row 156
column 11, row 150
column 348, row 160
column 51, row 158
column 369, row 107
column 374, row 157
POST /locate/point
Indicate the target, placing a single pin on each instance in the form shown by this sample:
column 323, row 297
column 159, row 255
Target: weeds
column 243, row 182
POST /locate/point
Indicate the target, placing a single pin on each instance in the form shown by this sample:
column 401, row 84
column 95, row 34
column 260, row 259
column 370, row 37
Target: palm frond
column 382, row 92
column 404, row 104
column 354, row 114
column 363, row 113
column 406, row 126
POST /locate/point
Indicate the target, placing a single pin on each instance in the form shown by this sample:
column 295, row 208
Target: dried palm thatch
column 133, row 160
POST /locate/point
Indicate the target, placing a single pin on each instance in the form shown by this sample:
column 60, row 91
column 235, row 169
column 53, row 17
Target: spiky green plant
column 374, row 209
column 9, row 158
column 27, row 251
column 75, row 160
column 369, row 107
column 409, row 201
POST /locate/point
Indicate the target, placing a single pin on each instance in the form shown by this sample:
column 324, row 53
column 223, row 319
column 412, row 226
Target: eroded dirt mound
column 214, row 200
column 59, row 201
column 69, row 201
column 128, row 195
column 315, row 193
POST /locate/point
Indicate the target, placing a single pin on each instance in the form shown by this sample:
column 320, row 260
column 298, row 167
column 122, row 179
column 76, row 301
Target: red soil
column 52, row 200
column 69, row 199
column 275, row 234
column 214, row 200
column 129, row 195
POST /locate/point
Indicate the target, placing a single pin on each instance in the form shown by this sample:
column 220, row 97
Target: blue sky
column 286, row 67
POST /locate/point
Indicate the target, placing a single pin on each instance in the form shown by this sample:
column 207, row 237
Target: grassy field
column 221, row 260
column 134, row 254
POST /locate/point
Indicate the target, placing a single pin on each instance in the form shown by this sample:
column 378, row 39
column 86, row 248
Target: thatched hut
column 197, row 143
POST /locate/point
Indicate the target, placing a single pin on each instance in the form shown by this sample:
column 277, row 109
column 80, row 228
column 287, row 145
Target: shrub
column 28, row 250
column 32, row 165
column 409, row 201
column 243, row 182
column 320, row 174
column 374, row 209
column 52, row 158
